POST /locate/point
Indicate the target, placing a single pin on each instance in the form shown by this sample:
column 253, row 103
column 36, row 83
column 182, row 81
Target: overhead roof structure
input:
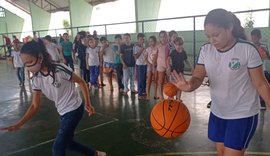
column 51, row 5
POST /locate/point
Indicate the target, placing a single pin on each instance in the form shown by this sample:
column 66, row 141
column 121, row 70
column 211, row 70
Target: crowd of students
column 145, row 61
column 141, row 60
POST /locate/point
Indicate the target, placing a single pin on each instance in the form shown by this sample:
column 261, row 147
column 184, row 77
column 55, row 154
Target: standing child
column 128, row 62
column 56, row 81
column 8, row 44
column 92, row 62
column 172, row 36
column 234, row 69
column 109, row 59
column 81, row 49
column 176, row 61
column 66, row 51
column 118, row 63
column 163, row 53
column 264, row 52
column 75, row 47
column 18, row 64
column 262, row 48
column 141, row 64
column 101, row 65
column 152, row 52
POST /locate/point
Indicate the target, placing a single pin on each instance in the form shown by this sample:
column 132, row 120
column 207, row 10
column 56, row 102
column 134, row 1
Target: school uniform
column 18, row 64
column 93, row 63
column 57, row 87
column 235, row 100
column 141, row 70
column 109, row 60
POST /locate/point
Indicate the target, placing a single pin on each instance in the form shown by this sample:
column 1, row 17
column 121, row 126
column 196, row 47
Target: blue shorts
column 234, row 133
column 108, row 68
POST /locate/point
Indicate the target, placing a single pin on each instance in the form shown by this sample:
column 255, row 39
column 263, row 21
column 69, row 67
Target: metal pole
column 142, row 27
column 194, row 41
column 269, row 14
column 106, row 31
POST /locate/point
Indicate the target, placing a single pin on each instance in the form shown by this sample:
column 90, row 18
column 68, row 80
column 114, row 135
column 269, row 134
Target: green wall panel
column 146, row 10
column 80, row 13
column 40, row 18
column 10, row 23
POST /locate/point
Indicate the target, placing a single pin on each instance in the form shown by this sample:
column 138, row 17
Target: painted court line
column 201, row 153
column 77, row 132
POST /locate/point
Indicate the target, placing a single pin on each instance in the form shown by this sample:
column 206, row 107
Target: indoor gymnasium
column 134, row 78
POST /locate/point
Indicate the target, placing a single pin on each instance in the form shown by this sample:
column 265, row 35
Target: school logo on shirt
column 56, row 84
column 234, row 64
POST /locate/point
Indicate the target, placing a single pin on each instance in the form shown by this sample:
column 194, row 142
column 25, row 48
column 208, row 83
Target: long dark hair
column 38, row 50
column 223, row 18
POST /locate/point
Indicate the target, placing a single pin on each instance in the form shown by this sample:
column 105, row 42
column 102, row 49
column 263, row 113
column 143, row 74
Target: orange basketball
column 170, row 89
column 170, row 118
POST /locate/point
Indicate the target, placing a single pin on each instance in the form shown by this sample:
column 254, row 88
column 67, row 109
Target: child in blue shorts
column 109, row 59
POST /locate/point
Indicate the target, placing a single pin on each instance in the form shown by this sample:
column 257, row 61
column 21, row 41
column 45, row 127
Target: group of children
column 131, row 61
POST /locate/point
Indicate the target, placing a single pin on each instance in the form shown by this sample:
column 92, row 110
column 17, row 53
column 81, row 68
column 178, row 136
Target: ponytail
column 238, row 31
column 223, row 18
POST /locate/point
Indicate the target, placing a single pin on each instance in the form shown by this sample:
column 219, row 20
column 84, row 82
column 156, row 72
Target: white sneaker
column 99, row 153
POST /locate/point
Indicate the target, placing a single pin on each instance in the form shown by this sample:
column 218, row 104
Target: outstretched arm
column 29, row 114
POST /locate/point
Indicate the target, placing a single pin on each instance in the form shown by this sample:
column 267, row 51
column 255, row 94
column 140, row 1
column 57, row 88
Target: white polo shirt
column 63, row 92
column 93, row 56
column 141, row 60
column 232, row 92
column 17, row 61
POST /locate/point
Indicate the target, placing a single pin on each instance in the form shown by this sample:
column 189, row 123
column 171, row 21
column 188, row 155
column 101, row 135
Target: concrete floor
column 121, row 126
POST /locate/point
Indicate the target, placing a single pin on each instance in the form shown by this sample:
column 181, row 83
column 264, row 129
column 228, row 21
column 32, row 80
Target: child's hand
column 180, row 82
column 11, row 128
column 90, row 109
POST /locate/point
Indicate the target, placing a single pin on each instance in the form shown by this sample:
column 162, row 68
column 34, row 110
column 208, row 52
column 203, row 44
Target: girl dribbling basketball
column 234, row 68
